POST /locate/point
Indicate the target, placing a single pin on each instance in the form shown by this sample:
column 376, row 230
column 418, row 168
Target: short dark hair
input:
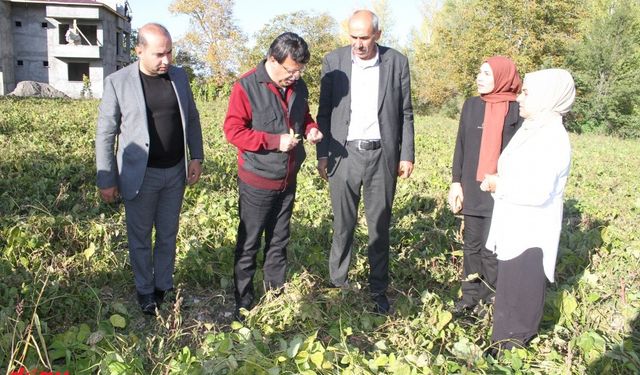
column 289, row 45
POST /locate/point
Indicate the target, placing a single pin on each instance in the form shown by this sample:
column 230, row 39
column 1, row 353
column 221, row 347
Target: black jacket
column 465, row 157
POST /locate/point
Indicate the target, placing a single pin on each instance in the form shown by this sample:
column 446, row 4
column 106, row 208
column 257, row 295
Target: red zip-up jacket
column 256, row 118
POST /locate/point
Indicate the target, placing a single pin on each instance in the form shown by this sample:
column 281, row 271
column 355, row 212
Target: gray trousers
column 158, row 205
column 364, row 170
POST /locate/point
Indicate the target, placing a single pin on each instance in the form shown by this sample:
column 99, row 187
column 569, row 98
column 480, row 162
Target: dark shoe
column 382, row 306
column 344, row 286
column 159, row 296
column 148, row 303
column 238, row 315
column 462, row 308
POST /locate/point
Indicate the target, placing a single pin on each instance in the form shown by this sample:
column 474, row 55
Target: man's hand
column 405, row 169
column 194, row 171
column 287, row 142
column 110, row 194
column 314, row 136
column 489, row 183
column 322, row 168
column 455, row 197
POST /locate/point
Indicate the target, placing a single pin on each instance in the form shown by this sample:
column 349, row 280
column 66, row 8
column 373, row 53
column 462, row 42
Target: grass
column 67, row 296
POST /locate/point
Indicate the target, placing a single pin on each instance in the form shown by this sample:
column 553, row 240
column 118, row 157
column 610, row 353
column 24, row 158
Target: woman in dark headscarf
column 487, row 123
column 527, row 215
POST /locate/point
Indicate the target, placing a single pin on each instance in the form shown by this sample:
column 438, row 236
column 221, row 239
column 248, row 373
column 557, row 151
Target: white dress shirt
column 365, row 81
column 533, row 171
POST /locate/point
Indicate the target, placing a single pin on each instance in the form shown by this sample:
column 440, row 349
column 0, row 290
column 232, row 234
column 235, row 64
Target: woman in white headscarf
column 527, row 212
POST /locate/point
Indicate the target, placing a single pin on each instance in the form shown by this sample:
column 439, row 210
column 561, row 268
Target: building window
column 125, row 41
column 118, row 43
column 45, row 64
column 90, row 33
column 77, row 70
column 18, row 24
column 20, row 63
column 44, row 25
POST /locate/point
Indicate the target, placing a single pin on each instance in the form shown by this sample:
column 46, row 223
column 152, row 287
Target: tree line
column 598, row 41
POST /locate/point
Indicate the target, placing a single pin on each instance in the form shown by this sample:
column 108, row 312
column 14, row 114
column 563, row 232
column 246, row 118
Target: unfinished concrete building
column 61, row 41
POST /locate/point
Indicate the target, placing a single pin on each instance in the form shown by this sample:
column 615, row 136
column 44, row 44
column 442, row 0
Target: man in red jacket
column 267, row 117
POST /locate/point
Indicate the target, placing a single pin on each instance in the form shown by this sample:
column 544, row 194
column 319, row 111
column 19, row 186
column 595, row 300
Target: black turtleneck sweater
column 166, row 139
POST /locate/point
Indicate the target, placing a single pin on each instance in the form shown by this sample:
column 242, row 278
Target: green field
column 67, row 296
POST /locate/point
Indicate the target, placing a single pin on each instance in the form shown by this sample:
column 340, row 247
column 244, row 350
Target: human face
column 484, row 80
column 155, row 57
column 286, row 73
column 363, row 37
column 522, row 101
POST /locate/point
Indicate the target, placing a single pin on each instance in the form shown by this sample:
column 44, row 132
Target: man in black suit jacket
column 366, row 117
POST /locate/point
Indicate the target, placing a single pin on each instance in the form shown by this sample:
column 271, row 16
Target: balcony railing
column 76, row 51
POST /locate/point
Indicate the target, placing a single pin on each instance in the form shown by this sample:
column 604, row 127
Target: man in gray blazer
column 147, row 120
column 366, row 117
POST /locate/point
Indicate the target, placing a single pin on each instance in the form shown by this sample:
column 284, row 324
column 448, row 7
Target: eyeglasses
column 293, row 72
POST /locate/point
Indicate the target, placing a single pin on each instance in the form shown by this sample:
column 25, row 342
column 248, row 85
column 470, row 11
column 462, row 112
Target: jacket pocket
column 267, row 121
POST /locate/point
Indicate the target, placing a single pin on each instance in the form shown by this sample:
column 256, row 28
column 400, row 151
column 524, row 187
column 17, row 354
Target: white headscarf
column 550, row 94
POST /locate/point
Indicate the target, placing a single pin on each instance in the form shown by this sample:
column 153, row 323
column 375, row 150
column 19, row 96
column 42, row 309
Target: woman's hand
column 455, row 197
column 489, row 183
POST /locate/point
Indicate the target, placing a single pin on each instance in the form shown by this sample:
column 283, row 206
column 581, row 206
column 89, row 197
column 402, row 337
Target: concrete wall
column 34, row 45
column 7, row 76
column 30, row 42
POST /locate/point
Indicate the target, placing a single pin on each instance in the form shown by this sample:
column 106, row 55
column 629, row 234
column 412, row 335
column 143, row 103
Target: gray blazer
column 395, row 112
column 122, row 135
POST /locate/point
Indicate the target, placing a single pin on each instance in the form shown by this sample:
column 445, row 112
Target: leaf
column 88, row 252
column 317, row 358
column 118, row 321
column 444, row 317
column 119, row 308
column 569, row 304
column 294, row 347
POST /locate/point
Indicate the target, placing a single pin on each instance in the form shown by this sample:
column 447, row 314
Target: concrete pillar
column 7, row 63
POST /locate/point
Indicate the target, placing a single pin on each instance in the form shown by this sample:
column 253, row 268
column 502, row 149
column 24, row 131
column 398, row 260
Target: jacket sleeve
column 194, row 132
column 237, row 125
column 458, row 152
column 324, row 109
column 308, row 121
column 407, row 152
column 108, row 128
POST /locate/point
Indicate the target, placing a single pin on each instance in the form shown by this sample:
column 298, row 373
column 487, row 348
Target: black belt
column 365, row 145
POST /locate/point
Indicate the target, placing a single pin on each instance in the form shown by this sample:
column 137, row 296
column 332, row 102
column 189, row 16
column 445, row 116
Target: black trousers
column 479, row 260
column 519, row 299
column 261, row 211
column 366, row 171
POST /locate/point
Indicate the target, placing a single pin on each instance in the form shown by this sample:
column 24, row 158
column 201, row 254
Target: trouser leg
column 166, row 223
column 277, row 234
column 477, row 259
column 519, row 301
column 378, row 191
column 254, row 207
column 140, row 212
column 344, row 187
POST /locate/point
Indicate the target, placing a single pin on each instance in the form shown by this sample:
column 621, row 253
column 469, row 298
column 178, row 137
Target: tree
column 606, row 67
column 385, row 16
column 534, row 33
column 213, row 37
column 318, row 30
